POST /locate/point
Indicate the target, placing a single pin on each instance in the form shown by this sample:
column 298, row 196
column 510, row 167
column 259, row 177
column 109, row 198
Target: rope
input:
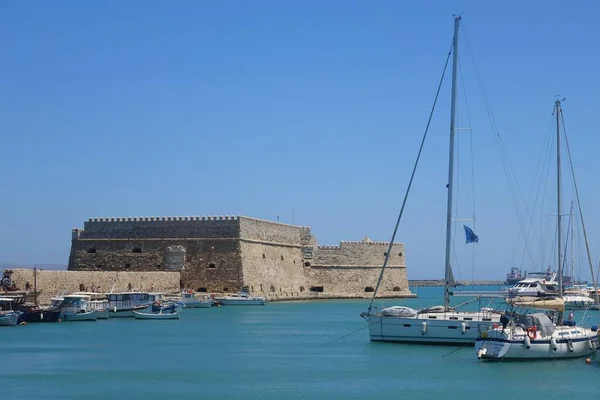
column 412, row 175
column 345, row 336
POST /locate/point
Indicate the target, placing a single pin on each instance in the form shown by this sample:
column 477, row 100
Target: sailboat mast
column 559, row 199
column 572, row 219
column 451, row 164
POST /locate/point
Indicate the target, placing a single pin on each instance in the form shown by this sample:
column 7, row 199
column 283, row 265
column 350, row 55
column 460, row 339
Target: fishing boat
column 160, row 311
column 242, row 298
column 75, row 307
column 123, row 304
column 539, row 335
column 438, row 324
column 8, row 316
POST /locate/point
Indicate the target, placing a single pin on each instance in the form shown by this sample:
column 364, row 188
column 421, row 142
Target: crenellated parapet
column 363, row 252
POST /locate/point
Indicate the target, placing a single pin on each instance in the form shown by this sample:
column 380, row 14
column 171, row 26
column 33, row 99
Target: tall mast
column 572, row 218
column 559, row 200
column 451, row 164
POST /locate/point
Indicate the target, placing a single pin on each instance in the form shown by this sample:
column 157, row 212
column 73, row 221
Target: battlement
column 151, row 219
column 354, row 243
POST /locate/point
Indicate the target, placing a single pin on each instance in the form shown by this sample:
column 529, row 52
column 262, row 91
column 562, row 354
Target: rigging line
column 587, row 247
column 472, row 167
column 544, row 226
column 508, row 171
column 412, row 175
column 345, row 336
column 544, row 156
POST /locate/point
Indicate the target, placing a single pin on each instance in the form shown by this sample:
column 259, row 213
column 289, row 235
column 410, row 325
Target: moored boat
column 75, row 307
column 123, row 304
column 8, row 316
column 242, row 298
column 160, row 311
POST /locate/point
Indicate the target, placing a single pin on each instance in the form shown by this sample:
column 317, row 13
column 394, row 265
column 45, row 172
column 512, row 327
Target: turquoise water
column 289, row 350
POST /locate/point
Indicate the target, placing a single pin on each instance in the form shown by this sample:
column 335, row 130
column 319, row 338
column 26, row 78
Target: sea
column 317, row 349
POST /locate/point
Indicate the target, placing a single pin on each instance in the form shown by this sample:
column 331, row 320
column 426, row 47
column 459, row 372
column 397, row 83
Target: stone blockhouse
column 224, row 254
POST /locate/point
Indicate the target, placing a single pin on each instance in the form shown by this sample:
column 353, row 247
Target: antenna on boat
column 450, row 186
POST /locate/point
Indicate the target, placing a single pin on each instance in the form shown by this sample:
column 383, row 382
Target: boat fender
column 570, row 346
column 423, row 328
column 531, row 332
column 553, row 344
column 115, row 309
column 42, row 316
column 592, row 345
column 527, row 342
column 463, row 327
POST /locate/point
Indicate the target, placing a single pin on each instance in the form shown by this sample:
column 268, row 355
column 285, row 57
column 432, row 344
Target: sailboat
column 438, row 324
column 538, row 336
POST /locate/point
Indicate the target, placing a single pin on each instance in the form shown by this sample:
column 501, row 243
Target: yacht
column 439, row 324
column 535, row 285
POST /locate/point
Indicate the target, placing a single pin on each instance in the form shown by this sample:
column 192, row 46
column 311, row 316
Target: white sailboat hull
column 456, row 328
column 571, row 342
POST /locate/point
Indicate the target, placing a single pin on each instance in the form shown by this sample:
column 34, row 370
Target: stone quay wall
column 224, row 254
column 51, row 283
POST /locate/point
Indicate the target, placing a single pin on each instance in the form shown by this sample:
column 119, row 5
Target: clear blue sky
column 147, row 108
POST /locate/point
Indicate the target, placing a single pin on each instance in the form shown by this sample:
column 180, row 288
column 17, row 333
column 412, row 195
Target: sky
column 308, row 112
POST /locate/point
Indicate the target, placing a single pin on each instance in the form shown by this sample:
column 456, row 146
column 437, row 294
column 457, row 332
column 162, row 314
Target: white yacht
column 440, row 324
column 534, row 285
column 191, row 300
column 578, row 299
column 535, row 336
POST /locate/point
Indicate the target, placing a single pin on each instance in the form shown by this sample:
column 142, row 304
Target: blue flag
column 471, row 236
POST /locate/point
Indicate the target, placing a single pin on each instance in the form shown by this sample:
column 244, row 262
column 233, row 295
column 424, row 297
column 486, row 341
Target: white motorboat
column 8, row 317
column 242, row 298
column 75, row 307
column 97, row 302
column 577, row 299
column 164, row 311
column 440, row 324
column 535, row 336
column 190, row 300
column 534, row 285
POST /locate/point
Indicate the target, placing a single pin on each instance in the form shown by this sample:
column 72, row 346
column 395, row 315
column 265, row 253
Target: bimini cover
column 542, row 321
column 399, row 311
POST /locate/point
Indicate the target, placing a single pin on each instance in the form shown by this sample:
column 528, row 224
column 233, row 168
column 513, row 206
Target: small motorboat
column 8, row 317
column 160, row 311
column 242, row 298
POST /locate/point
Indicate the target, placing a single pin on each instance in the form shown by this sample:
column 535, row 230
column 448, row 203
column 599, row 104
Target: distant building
column 224, row 254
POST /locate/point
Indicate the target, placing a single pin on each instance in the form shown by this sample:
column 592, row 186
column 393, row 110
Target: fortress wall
column 274, row 232
column 209, row 264
column 359, row 281
column 50, row 283
column 160, row 227
column 273, row 271
column 363, row 253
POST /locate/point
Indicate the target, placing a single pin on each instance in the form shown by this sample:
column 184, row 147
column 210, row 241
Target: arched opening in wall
column 369, row 289
column 129, row 286
column 201, row 290
column 272, row 288
column 136, row 250
column 294, row 261
column 225, row 289
column 127, row 265
column 307, row 264
column 81, row 287
column 264, row 255
column 397, row 288
column 282, row 258
column 302, row 288
column 400, row 254
column 99, row 266
column 316, row 288
column 212, row 265
column 91, row 251
column 158, row 266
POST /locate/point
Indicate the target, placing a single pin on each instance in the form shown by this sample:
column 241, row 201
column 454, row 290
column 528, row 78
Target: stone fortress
column 225, row 254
